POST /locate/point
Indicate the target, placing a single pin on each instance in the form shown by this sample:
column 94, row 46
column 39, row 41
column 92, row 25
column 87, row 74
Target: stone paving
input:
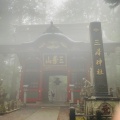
column 63, row 113
column 35, row 112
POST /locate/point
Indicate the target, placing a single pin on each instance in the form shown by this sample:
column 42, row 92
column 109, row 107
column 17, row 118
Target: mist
column 46, row 45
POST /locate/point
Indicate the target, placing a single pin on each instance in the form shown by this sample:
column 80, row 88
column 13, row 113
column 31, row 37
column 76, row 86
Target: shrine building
column 54, row 62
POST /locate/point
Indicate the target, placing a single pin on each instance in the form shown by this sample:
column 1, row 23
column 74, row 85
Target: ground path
column 35, row 112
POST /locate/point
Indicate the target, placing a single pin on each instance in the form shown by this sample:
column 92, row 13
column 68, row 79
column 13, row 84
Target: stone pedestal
column 105, row 104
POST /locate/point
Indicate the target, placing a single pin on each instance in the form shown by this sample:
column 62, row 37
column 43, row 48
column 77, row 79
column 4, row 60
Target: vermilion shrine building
column 54, row 62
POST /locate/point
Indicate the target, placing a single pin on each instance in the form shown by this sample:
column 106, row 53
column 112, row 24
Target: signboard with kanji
column 99, row 71
column 55, row 59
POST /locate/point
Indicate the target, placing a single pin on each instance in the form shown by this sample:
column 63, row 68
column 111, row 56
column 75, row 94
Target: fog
column 46, row 45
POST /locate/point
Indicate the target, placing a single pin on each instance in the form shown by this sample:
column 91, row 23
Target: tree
column 75, row 11
column 113, row 3
column 24, row 11
column 19, row 12
column 9, row 72
column 115, row 33
column 28, row 11
column 86, row 11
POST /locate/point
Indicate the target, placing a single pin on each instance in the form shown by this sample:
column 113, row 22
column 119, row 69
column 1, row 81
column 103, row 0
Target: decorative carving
column 106, row 108
column 53, row 45
column 57, row 81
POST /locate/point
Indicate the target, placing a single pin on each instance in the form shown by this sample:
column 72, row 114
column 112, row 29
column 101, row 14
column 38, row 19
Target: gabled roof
column 28, row 36
column 77, row 32
column 27, row 33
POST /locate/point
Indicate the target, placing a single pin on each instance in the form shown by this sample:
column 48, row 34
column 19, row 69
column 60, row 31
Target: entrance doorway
column 58, row 85
column 55, row 82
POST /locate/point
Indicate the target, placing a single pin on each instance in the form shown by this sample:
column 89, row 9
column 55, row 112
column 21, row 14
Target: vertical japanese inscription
column 100, row 80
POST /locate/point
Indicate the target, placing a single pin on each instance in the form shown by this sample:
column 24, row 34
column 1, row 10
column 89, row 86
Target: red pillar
column 21, row 91
column 40, row 86
column 68, row 83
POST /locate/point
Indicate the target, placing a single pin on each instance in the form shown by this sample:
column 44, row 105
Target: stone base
column 105, row 104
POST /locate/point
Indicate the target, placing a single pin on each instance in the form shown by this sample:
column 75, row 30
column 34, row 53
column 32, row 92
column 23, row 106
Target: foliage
column 4, row 12
column 113, row 3
column 9, row 72
column 31, row 11
column 75, row 11
column 19, row 12
column 115, row 29
column 22, row 11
